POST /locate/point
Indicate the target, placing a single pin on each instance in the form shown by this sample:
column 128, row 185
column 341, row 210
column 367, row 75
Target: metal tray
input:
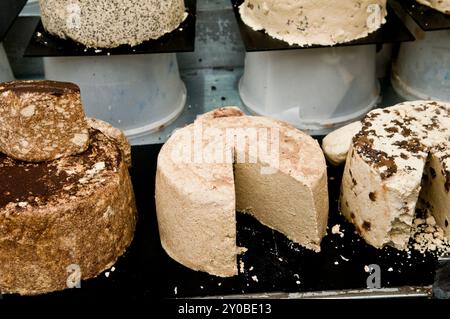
column 9, row 10
column 282, row 268
column 427, row 18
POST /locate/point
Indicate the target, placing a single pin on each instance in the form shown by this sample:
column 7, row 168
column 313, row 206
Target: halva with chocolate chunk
column 227, row 162
column 109, row 24
column 401, row 155
column 41, row 120
column 319, row 22
column 64, row 220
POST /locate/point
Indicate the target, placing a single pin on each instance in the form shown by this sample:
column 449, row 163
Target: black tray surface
column 9, row 10
column 427, row 18
column 392, row 31
column 146, row 271
column 182, row 39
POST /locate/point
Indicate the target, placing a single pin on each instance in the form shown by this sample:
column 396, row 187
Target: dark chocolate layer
column 37, row 183
column 45, row 86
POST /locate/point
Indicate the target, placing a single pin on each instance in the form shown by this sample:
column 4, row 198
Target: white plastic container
column 317, row 90
column 5, row 69
column 384, row 60
column 422, row 69
column 138, row 94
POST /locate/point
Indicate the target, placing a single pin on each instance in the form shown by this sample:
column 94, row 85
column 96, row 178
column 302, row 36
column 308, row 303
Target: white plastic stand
column 384, row 60
column 5, row 69
column 138, row 94
column 317, row 90
column 422, row 69
column 31, row 8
